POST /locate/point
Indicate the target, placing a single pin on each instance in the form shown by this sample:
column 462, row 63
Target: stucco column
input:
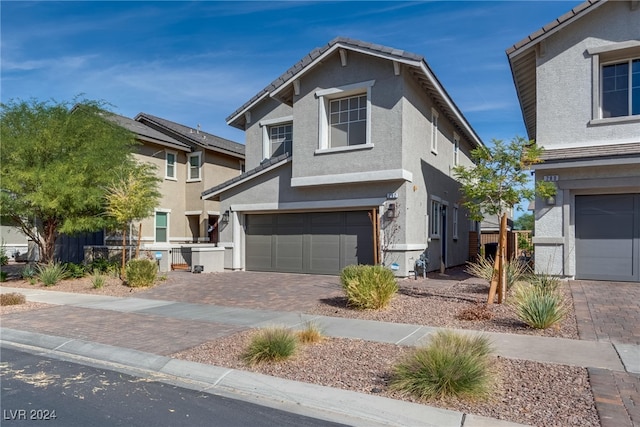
column 236, row 236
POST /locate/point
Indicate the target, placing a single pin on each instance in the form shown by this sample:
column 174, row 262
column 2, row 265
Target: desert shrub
column 538, row 307
column 476, row 311
column 51, row 274
column 97, row 280
column 103, row 265
column 13, row 298
column 544, row 282
column 450, row 365
column 76, row 271
column 311, row 334
column 4, row 258
column 368, row 286
column 483, row 268
column 3, row 276
column 141, row 272
column 29, row 272
column 270, row 345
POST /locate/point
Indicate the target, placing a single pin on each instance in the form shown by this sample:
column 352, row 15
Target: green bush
column 3, row 276
column 76, row 271
column 4, row 258
column 538, row 307
column 51, row 274
column 450, row 365
column 368, row 286
column 97, row 280
column 103, row 265
column 270, row 345
column 483, row 268
column 12, row 299
column 141, row 272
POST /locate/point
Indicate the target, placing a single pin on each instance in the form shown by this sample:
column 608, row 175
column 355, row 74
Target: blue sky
column 196, row 62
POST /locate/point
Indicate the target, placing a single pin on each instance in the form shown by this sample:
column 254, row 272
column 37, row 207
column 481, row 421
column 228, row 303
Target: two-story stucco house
column 349, row 159
column 578, row 81
column 188, row 160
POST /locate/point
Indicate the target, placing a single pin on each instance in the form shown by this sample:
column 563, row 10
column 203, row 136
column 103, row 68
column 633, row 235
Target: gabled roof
column 282, row 87
column 147, row 133
column 194, row 136
column 265, row 165
column 522, row 59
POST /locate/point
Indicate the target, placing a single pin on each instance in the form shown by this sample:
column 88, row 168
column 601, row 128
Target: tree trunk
column 499, row 278
column 48, row 244
column 138, row 242
column 124, row 249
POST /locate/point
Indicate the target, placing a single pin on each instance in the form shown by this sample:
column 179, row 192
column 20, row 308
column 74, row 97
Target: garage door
column 318, row 243
column 608, row 237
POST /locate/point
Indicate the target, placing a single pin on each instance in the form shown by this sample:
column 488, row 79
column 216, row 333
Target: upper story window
column 162, row 227
column 194, row 166
column 277, row 136
column 280, row 139
column 621, row 89
column 455, row 222
column 170, row 162
column 434, row 131
column 348, row 121
column 345, row 117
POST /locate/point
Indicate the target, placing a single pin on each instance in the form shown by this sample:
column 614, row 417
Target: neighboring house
column 578, row 81
column 188, row 160
column 352, row 133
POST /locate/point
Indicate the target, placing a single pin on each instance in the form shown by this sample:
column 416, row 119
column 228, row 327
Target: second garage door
column 318, row 243
column 608, row 237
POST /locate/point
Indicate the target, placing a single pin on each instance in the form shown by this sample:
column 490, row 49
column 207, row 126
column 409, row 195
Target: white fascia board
column 250, row 177
column 330, row 51
column 450, row 104
column 247, row 108
column 312, row 206
column 568, row 164
column 354, row 177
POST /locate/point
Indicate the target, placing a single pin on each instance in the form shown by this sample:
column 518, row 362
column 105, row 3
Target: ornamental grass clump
column 12, row 298
column 311, row 334
column 539, row 306
column 51, row 274
column 270, row 345
column 483, row 268
column 141, row 273
column 98, row 280
column 368, row 286
column 451, row 364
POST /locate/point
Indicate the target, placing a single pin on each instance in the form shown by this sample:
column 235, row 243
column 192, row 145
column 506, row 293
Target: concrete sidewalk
column 323, row 402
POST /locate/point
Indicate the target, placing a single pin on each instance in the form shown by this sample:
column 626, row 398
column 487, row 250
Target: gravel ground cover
column 526, row 392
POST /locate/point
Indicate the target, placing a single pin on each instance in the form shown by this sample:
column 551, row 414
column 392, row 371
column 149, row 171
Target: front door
column 212, row 229
column 443, row 239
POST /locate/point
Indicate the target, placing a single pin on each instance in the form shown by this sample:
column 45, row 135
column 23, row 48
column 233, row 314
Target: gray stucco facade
column 396, row 166
column 586, row 152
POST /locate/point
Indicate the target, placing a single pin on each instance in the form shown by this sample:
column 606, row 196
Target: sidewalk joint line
column 63, row 344
column 222, row 377
column 398, row 342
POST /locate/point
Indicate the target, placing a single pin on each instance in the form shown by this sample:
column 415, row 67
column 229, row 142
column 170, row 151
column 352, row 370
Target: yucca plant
column 270, row 345
column 451, row 364
column 368, row 286
column 539, row 307
column 51, row 274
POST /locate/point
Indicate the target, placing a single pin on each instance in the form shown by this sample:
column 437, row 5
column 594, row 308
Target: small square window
column 620, row 88
column 281, row 139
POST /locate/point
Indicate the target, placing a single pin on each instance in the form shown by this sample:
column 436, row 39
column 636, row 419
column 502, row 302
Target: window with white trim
column 435, row 219
column 345, row 117
column 170, row 165
column 620, row 88
column 194, row 166
column 280, row 139
column 162, row 227
column 242, row 167
column 456, row 149
column 455, row 222
column 434, row 130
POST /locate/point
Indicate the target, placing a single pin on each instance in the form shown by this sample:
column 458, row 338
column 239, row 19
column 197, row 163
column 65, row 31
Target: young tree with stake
column 498, row 182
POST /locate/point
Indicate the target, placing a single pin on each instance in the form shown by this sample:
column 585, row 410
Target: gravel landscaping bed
column 526, row 392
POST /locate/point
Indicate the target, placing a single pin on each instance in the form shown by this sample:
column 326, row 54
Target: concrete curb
column 318, row 401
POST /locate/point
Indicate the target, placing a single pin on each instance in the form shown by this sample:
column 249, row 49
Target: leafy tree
column 497, row 183
column 57, row 158
column 132, row 197
column 524, row 222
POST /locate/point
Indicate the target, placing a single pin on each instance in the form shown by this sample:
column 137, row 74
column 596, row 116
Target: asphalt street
column 38, row 390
